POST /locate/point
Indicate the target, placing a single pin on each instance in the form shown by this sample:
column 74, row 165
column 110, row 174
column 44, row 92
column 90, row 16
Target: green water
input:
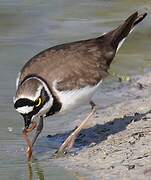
column 29, row 26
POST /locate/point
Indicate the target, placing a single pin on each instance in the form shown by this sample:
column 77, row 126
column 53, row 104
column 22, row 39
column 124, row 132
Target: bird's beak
column 27, row 121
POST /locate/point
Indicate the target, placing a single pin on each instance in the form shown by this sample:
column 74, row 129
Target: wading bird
column 63, row 77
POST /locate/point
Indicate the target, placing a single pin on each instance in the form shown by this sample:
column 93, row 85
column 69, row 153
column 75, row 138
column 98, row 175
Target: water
column 27, row 27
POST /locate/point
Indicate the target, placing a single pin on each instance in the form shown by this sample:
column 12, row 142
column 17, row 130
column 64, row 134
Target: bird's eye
column 38, row 102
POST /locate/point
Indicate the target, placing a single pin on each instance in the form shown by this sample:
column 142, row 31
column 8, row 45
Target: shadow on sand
column 95, row 134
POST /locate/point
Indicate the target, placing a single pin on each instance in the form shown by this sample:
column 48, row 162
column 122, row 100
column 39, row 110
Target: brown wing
column 82, row 63
column 74, row 65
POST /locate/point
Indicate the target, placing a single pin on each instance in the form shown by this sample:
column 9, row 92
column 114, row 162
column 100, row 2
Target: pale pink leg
column 69, row 142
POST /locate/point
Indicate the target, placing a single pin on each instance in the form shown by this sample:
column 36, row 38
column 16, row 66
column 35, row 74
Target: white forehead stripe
column 25, row 109
column 17, row 80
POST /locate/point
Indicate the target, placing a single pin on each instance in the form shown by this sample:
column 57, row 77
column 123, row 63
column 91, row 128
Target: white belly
column 74, row 98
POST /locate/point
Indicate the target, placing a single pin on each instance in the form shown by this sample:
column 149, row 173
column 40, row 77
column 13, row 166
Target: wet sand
column 117, row 144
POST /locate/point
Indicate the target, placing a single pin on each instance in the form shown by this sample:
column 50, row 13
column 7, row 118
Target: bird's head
column 32, row 99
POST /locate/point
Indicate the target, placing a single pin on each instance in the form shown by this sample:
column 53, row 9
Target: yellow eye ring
column 38, row 102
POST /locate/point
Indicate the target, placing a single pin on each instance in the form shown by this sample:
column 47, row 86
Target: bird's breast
column 74, row 98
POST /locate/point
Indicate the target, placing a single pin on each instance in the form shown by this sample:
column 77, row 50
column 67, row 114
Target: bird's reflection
column 34, row 168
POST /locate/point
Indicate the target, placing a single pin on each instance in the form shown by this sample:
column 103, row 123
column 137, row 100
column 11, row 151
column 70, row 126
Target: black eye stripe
column 27, row 102
column 23, row 102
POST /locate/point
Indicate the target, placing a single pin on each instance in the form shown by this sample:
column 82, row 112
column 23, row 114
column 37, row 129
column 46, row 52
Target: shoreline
column 117, row 143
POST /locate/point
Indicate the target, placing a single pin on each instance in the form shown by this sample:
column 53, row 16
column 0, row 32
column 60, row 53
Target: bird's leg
column 69, row 142
column 38, row 131
column 25, row 136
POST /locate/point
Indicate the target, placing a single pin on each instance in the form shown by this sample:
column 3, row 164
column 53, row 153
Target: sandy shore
column 118, row 143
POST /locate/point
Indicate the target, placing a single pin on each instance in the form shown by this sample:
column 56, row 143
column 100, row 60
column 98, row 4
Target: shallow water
column 27, row 27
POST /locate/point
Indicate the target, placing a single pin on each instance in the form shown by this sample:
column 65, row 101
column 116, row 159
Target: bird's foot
column 66, row 146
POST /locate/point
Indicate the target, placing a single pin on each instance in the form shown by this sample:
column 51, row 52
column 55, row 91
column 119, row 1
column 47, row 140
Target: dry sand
column 118, row 143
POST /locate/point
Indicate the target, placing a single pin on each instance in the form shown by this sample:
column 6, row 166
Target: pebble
column 140, row 86
column 10, row 129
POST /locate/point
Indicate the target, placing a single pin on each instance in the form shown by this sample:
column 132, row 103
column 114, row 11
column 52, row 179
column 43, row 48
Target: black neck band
column 56, row 106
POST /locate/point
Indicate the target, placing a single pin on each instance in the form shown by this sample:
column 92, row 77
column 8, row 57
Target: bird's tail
column 113, row 40
column 119, row 34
